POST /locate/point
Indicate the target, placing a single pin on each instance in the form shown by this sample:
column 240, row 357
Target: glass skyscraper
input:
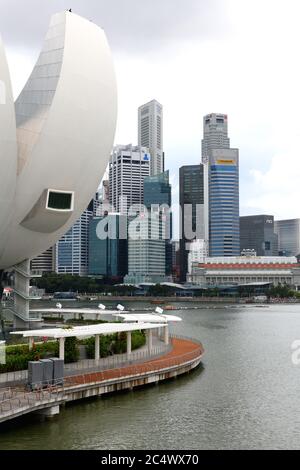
column 158, row 191
column 192, row 198
column 72, row 248
column 108, row 254
column 288, row 232
column 223, row 184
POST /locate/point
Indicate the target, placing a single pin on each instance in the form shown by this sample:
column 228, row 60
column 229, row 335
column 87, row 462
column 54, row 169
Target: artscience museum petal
column 57, row 152
column 8, row 151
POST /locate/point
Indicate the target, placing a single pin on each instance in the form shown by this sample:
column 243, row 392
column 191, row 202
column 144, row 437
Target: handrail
column 47, row 392
column 37, row 396
column 147, row 367
column 90, row 364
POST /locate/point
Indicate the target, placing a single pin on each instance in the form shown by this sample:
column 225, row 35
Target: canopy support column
column 128, row 343
column 97, row 347
column 149, row 340
column 166, row 334
column 62, row 348
column 30, row 343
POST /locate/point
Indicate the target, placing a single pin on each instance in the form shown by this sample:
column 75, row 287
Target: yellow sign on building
column 226, row 162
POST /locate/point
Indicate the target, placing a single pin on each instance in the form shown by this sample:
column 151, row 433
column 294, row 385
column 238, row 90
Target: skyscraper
column 288, row 232
column 150, row 133
column 146, row 249
column 108, row 255
column 158, row 192
column 257, row 233
column 72, row 248
column 223, row 186
column 215, row 134
column 193, row 220
column 128, row 167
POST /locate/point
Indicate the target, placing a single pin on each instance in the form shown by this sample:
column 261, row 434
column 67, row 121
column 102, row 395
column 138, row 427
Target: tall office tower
column 146, row 249
column 194, row 215
column 223, row 186
column 108, row 255
column 288, row 232
column 44, row 262
column 150, row 133
column 215, row 134
column 72, row 248
column 158, row 192
column 257, row 233
column 127, row 169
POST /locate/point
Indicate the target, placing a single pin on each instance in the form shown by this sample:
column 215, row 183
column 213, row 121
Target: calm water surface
column 246, row 396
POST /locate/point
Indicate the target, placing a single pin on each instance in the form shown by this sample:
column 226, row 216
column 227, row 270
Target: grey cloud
column 132, row 26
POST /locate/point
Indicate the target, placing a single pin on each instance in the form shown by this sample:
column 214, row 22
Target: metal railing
column 15, row 399
column 138, row 369
column 186, row 338
column 118, row 359
column 114, row 361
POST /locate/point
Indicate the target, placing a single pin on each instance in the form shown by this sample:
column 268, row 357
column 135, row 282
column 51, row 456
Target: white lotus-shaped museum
column 56, row 139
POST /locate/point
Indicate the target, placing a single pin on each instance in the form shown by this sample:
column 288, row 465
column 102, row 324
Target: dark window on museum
column 61, row 201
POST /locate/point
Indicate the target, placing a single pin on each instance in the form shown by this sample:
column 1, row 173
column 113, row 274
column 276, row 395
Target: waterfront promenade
column 184, row 355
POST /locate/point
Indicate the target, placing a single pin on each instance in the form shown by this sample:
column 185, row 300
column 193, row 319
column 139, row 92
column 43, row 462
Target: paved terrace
column 185, row 355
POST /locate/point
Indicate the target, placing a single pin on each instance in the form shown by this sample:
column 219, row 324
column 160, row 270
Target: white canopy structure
column 94, row 330
column 89, row 330
column 148, row 317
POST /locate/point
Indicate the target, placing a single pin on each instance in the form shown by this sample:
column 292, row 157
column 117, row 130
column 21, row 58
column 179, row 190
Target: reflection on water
column 247, row 395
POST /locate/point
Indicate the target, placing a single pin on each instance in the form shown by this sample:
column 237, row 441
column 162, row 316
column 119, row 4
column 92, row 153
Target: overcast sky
column 239, row 57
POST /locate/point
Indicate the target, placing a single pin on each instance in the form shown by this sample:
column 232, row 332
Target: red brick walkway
column 183, row 351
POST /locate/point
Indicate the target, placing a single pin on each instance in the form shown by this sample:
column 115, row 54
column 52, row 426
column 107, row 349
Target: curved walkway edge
column 186, row 355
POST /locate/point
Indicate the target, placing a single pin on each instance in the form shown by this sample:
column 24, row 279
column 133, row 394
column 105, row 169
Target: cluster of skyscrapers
column 136, row 196
column 136, row 187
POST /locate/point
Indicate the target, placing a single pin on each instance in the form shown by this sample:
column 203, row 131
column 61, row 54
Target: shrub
column 17, row 357
column 112, row 344
column 71, row 350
